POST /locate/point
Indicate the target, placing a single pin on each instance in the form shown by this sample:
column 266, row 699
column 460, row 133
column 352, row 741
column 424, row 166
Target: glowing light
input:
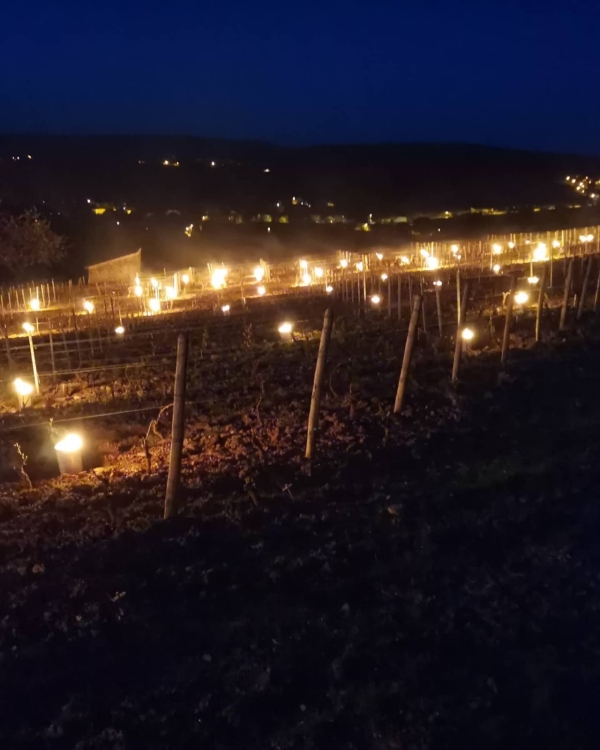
column 454, row 249
column 540, row 252
column 555, row 244
column 218, row 278
column 213, row 164
column 137, row 290
column 303, row 264
column 432, row 263
column 188, row 230
column 22, row 387
column 319, row 273
column 467, row 334
column 154, row 283
column 424, row 253
column 226, row 308
column 497, row 249
column 171, row 292
column 261, row 291
column 497, row 268
column 437, row 282
column 379, row 256
column 532, row 280
column 259, row 273
column 154, row 304
column 28, row 328
column 34, row 304
column 329, row 289
column 69, row 444
column 511, row 245
column 88, row 306
column 344, row 263
column 375, row 299
column 285, row 328
column 119, row 330
column 384, row 276
column 185, row 278
column 360, row 266
column 521, row 298
column 404, row 259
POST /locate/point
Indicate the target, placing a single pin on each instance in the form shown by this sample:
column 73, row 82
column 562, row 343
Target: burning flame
column 69, row 444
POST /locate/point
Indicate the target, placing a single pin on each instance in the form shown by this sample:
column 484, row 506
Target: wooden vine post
column 178, row 427
column 540, row 305
column 565, row 304
column 509, row 309
column 584, row 288
column 315, row 401
column 462, row 314
column 408, row 347
column 597, row 294
column 438, row 303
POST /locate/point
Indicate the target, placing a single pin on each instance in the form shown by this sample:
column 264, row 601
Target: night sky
column 505, row 72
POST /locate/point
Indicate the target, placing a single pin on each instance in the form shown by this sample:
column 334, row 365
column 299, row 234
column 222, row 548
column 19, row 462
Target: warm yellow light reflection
column 424, row 253
column 533, row 280
column 329, row 289
column 467, row 334
column 285, row 328
column 259, row 273
column 34, row 304
column 344, row 263
column 319, row 273
column 120, row 330
column 185, row 278
column 375, row 299
column 154, row 283
column 154, row 304
column 261, row 291
column 226, row 308
column 541, row 252
column 28, row 328
column 496, row 249
column 496, row 268
column 303, row 264
column 88, row 306
column 454, row 249
column 379, row 256
column 432, row 263
column 404, row 259
column 437, row 282
column 360, row 266
column 521, row 298
column 137, row 290
column 384, row 276
column 171, row 292
column 511, row 245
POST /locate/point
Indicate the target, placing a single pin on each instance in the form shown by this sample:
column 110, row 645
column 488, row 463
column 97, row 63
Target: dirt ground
column 431, row 581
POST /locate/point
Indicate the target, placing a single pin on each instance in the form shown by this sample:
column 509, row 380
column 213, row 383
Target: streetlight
column 29, row 329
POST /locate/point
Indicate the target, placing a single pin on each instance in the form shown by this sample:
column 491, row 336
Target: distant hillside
column 254, row 176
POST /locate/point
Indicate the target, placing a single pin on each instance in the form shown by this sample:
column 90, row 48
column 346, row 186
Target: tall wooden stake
column 597, row 294
column 565, row 304
column 462, row 312
column 399, row 296
column 509, row 309
column 408, row 347
column 438, row 303
column 458, row 295
column 52, row 356
column 315, row 401
column 178, row 427
column 540, row 304
column 584, row 287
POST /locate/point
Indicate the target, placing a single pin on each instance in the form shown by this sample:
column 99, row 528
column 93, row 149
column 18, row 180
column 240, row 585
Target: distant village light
column 34, row 304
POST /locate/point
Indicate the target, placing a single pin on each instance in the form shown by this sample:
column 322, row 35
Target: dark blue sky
column 497, row 72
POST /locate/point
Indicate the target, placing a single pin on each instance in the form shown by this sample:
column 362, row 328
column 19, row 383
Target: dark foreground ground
column 440, row 594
